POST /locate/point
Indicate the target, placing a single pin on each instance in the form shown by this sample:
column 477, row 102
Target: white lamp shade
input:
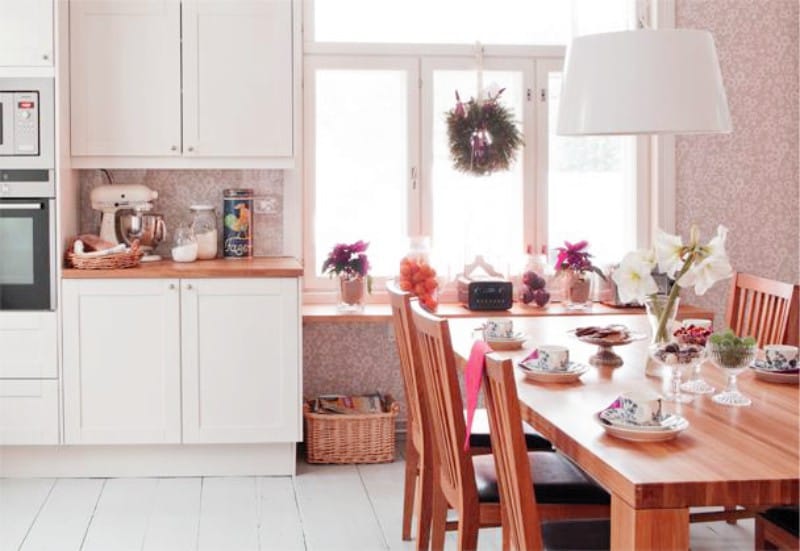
column 643, row 82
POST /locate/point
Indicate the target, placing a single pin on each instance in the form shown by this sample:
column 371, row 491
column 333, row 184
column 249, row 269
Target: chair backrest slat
column 759, row 307
column 409, row 364
column 445, row 407
column 517, row 499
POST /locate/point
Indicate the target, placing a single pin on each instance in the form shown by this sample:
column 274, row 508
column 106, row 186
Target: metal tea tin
column 237, row 223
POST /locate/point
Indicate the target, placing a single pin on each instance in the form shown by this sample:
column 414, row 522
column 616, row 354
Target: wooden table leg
column 648, row 529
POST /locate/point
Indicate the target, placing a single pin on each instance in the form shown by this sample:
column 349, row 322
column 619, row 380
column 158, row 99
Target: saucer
column 506, row 343
column 572, row 373
column 772, row 376
column 641, row 433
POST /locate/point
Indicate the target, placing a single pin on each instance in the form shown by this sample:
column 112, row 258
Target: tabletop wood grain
column 727, row 456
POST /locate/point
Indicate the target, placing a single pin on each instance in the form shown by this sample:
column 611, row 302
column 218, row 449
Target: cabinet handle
column 189, row 287
column 174, row 148
column 171, row 286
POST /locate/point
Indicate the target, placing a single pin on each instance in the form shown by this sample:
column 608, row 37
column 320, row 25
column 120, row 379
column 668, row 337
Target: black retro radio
column 485, row 293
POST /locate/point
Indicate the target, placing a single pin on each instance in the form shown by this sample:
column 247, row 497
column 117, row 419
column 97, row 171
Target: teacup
column 499, row 328
column 552, row 357
column 640, row 407
column 781, row 357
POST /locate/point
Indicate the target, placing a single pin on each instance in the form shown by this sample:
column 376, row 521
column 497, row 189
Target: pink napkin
column 473, row 375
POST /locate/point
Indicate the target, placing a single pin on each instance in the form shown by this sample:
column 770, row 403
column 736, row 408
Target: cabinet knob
column 171, row 286
column 174, row 148
column 191, row 148
column 189, row 287
column 45, row 56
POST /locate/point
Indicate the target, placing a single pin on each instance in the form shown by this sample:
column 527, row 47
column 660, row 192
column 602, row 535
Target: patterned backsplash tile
column 179, row 189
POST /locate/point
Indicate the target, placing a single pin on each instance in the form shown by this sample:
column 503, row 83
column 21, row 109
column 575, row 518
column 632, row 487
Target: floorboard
column 122, row 513
column 279, row 522
column 65, row 516
column 175, row 519
column 20, row 503
column 228, row 515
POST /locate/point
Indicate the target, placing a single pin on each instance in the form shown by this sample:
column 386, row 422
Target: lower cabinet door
column 121, row 370
column 240, row 360
column 28, row 412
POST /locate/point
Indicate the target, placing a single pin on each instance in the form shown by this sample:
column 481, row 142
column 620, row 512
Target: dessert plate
column 613, row 424
column 571, row 374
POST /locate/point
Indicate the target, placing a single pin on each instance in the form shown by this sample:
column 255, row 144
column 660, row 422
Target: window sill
column 381, row 313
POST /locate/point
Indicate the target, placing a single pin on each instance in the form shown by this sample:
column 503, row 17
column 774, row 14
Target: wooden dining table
column 728, row 456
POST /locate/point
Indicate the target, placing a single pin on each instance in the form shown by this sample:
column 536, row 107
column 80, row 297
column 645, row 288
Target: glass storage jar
column 204, row 225
column 184, row 246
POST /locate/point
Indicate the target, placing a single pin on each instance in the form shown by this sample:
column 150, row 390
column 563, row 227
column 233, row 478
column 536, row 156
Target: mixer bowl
column 147, row 227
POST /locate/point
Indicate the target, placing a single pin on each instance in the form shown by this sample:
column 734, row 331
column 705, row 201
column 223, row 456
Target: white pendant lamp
column 643, row 82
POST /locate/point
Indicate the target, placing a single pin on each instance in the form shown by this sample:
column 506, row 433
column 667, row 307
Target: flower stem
column 661, row 333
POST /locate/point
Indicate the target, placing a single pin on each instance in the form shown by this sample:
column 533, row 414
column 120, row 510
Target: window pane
column 474, row 214
column 465, row 21
column 591, row 188
column 361, row 162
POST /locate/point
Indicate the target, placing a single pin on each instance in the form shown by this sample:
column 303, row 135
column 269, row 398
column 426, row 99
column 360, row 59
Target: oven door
column 26, row 244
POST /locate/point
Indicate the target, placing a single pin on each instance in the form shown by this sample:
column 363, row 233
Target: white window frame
column 655, row 156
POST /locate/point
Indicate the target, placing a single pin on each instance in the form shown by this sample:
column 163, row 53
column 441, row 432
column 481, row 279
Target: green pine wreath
column 483, row 136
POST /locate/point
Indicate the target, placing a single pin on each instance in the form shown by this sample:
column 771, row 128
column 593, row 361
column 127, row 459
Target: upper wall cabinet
column 141, row 98
column 26, row 33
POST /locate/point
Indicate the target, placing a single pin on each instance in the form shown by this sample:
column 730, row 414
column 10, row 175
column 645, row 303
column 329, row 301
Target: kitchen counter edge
column 217, row 268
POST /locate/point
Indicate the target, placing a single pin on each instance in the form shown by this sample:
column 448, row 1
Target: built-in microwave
column 27, row 240
column 26, row 123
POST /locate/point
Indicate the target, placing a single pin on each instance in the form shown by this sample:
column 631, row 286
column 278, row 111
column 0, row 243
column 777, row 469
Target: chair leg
column 425, row 506
column 412, row 466
column 439, row 518
column 468, row 532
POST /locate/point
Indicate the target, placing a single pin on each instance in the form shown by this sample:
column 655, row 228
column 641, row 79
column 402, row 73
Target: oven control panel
column 26, row 123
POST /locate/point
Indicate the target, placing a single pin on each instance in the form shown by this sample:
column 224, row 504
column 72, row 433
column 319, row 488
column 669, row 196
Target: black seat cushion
column 480, row 434
column 785, row 517
column 583, row 535
column 555, row 480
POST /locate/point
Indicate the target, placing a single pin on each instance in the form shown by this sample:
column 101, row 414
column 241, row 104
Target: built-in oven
column 27, row 240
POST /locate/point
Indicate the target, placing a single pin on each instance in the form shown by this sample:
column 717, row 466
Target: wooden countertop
column 253, row 267
column 327, row 313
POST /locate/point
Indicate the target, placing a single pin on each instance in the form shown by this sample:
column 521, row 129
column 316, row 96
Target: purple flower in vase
column 575, row 257
column 349, row 261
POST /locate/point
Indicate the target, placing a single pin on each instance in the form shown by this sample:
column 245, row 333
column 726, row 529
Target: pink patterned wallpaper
column 747, row 180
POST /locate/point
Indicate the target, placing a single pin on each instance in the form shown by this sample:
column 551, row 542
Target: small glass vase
column 577, row 289
column 352, row 291
column 732, row 361
column 661, row 317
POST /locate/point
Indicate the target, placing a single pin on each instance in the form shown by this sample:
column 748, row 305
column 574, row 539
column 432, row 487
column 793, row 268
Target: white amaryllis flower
column 703, row 275
column 668, row 252
column 716, row 247
column 633, row 277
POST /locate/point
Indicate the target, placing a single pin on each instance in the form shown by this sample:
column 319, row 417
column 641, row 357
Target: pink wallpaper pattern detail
column 747, row 180
column 178, row 189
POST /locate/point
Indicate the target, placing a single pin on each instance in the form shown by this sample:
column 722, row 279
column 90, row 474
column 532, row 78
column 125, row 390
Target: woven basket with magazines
column 128, row 258
column 350, row 437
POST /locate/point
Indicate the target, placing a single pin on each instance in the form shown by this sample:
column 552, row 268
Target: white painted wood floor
column 323, row 508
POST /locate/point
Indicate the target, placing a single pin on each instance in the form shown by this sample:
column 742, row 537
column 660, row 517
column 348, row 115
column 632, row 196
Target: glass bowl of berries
column 695, row 332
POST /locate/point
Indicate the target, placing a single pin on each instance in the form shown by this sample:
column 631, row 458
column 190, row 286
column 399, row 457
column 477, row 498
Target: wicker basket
column 358, row 438
column 114, row 261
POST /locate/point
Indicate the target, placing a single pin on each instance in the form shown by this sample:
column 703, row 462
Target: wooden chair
column 777, row 528
column 759, row 307
column 418, row 482
column 468, row 484
column 522, row 527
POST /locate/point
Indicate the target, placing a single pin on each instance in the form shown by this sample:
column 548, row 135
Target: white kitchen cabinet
column 217, row 358
column 240, row 360
column 26, row 33
column 28, row 412
column 237, row 78
column 125, row 77
column 121, row 371
column 191, row 84
column 28, row 345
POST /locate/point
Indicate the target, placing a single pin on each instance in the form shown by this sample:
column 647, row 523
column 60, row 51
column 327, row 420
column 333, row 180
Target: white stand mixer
column 131, row 198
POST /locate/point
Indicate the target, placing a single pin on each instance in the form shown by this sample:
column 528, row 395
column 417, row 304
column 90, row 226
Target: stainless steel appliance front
column 27, row 129
column 27, row 241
